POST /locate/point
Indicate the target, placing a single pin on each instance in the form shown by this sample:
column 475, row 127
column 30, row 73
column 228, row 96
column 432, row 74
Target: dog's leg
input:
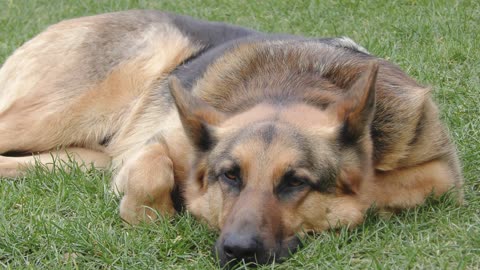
column 17, row 166
column 409, row 187
column 146, row 180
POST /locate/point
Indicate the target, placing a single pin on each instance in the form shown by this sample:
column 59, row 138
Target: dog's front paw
column 148, row 182
column 133, row 210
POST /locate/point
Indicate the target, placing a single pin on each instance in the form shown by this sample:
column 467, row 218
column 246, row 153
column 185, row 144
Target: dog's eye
column 291, row 184
column 231, row 177
column 294, row 182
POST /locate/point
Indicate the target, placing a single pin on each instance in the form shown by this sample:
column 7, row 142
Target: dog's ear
column 198, row 118
column 358, row 107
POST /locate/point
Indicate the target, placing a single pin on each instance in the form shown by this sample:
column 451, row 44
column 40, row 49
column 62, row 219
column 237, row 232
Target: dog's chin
column 278, row 255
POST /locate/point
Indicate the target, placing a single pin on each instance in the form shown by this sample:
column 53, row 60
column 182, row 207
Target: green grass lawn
column 70, row 220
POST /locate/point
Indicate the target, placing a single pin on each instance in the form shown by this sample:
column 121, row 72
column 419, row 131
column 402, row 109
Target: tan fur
column 42, row 111
column 79, row 112
column 407, row 188
column 360, row 183
column 147, row 180
column 276, row 138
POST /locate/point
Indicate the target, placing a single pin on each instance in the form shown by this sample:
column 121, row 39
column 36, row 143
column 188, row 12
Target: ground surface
column 69, row 220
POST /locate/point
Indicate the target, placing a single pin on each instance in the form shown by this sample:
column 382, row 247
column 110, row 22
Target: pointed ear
column 198, row 118
column 358, row 107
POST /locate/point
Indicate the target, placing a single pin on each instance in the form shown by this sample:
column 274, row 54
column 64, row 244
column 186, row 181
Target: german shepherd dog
column 263, row 136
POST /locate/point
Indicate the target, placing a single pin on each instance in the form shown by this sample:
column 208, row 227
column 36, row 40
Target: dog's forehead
column 295, row 128
column 278, row 139
column 260, row 138
column 260, row 112
column 269, row 136
column 301, row 116
column 307, row 117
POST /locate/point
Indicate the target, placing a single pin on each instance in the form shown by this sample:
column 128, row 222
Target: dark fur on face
column 279, row 170
column 268, row 163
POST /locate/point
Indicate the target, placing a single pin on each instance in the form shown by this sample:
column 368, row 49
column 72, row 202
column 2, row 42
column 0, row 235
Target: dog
column 263, row 136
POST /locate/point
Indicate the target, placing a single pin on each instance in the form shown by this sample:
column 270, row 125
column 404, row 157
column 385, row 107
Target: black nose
column 241, row 247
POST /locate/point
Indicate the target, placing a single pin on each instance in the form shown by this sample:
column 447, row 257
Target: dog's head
column 270, row 173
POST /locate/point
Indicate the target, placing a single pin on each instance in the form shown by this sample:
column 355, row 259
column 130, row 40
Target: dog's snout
column 241, row 247
column 236, row 247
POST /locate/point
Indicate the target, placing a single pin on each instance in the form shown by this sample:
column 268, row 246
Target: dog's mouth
column 232, row 254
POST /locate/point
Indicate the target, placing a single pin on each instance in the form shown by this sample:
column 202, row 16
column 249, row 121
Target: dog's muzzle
column 234, row 248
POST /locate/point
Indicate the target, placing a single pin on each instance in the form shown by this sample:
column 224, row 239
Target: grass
column 69, row 219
